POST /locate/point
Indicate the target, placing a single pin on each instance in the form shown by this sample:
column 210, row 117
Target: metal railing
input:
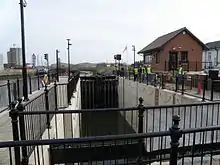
column 201, row 87
column 13, row 89
column 140, row 119
column 188, row 65
column 173, row 145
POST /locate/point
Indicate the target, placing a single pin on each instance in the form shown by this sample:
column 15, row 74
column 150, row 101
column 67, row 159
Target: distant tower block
column 34, row 60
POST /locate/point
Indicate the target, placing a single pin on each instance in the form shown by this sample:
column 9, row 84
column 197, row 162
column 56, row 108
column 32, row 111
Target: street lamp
column 134, row 53
column 68, row 48
column 24, row 69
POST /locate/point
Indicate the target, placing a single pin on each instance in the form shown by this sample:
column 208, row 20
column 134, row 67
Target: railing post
column 162, row 82
column 14, row 120
column 18, row 88
column 38, row 80
column 204, row 85
column 140, row 115
column 176, row 134
column 182, row 80
column 177, row 84
column 47, row 105
column 212, row 89
column 165, row 65
column 30, row 85
column 196, row 66
column 147, row 78
column 21, row 108
column 69, row 91
column 9, row 93
column 140, row 129
column 155, row 80
column 15, row 91
column 55, row 97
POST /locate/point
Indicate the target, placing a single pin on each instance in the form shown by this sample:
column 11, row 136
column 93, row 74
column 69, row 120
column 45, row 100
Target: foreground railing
column 123, row 149
column 33, row 123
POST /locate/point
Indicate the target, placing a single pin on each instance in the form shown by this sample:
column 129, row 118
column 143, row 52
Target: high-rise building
column 14, row 56
column 34, row 60
column 1, row 62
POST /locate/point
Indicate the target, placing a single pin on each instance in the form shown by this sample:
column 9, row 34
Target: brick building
column 178, row 47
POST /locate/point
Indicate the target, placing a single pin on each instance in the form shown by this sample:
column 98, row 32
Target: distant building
column 14, row 57
column 211, row 57
column 1, row 62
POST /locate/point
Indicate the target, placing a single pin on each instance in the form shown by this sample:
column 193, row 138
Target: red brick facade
column 182, row 42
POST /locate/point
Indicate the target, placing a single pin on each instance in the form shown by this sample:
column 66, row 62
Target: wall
column 59, row 125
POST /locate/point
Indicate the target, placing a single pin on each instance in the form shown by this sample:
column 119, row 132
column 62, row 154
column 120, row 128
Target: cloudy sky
column 101, row 28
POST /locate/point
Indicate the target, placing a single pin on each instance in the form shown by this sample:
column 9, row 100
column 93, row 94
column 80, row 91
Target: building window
column 148, row 59
column 184, row 57
column 157, row 58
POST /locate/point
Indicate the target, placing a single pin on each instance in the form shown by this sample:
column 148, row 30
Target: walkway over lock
column 137, row 134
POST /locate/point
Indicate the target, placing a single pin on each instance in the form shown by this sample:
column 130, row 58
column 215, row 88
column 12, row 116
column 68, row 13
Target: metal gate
column 99, row 92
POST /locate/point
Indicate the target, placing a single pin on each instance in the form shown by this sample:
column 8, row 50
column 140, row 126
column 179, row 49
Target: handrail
column 102, row 138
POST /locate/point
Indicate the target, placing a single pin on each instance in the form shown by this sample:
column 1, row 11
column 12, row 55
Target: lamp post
column 134, row 53
column 24, row 69
column 68, row 48
column 57, row 59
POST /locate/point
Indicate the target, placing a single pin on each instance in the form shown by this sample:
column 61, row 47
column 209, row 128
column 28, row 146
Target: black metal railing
column 140, row 119
column 13, row 89
column 174, row 145
column 188, row 65
column 199, row 86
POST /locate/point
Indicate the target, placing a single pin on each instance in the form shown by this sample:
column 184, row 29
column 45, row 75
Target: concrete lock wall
column 161, row 119
column 66, row 126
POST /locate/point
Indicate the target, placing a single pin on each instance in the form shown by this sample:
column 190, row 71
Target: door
column 173, row 60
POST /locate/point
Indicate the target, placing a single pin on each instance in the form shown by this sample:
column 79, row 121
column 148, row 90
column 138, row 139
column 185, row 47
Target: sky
column 98, row 29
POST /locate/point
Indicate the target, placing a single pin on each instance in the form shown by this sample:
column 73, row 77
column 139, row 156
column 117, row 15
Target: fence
column 114, row 121
column 188, row 65
column 13, row 89
column 201, row 86
column 135, row 148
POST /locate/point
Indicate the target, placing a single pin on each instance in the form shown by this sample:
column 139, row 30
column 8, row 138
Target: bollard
column 176, row 134
column 13, row 114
